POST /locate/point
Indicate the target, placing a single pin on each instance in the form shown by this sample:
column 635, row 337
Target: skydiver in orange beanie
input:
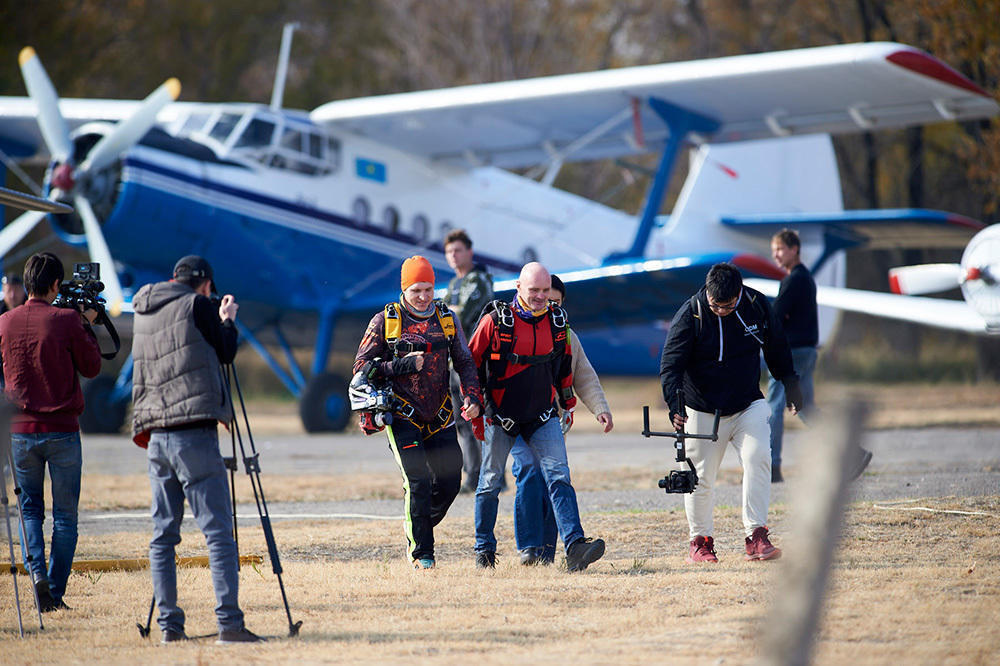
column 408, row 343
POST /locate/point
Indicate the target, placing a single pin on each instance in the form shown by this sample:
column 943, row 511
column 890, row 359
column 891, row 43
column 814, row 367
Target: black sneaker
column 486, row 559
column 46, row 602
column 864, row 457
column 241, row 635
column 584, row 552
column 531, row 556
column 776, row 474
column 171, row 636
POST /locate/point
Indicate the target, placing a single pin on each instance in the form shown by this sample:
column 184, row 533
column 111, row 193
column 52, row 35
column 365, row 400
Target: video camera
column 372, row 397
column 81, row 293
column 679, row 481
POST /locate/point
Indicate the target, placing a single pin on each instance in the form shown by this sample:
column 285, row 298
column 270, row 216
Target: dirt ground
column 914, row 583
column 915, row 579
column 893, row 405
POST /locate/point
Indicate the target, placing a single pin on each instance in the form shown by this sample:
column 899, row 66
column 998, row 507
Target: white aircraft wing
column 937, row 312
column 834, row 89
column 20, row 136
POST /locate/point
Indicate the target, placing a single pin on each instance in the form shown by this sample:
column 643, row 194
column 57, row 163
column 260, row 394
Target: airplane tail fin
column 792, row 175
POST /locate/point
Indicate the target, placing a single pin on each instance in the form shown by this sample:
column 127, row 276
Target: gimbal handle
column 679, row 435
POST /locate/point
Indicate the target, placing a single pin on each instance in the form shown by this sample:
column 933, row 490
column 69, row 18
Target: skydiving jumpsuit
column 422, row 435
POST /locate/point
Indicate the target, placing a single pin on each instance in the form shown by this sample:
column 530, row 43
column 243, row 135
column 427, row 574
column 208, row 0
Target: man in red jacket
column 525, row 367
column 43, row 349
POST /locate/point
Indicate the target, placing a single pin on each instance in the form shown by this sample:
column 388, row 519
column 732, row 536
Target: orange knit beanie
column 415, row 269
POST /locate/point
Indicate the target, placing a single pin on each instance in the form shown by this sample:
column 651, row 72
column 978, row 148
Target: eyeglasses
column 724, row 308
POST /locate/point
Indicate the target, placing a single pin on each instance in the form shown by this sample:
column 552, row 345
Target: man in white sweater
column 534, row 524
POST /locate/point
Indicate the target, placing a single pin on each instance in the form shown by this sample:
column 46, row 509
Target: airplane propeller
column 65, row 175
column 978, row 275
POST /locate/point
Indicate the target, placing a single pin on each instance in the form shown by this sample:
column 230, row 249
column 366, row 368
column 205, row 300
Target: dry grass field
column 909, row 586
column 914, row 582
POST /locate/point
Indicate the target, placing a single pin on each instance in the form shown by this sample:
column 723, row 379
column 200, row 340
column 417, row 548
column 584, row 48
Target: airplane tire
column 324, row 405
column 100, row 414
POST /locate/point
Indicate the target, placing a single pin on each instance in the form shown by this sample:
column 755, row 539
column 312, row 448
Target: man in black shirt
column 795, row 310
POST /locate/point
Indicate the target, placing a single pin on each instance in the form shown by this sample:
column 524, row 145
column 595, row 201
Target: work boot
column 776, row 474
column 864, row 457
column 759, row 546
column 46, row 602
column 583, row 552
column 241, row 635
column 531, row 556
column 702, row 550
column 486, row 559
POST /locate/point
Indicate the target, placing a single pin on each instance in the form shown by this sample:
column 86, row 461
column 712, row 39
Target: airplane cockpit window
column 194, row 123
column 224, row 126
column 291, row 139
column 257, row 134
column 315, row 145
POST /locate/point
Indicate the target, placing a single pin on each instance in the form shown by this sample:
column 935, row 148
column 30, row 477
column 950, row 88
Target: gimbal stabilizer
column 679, row 481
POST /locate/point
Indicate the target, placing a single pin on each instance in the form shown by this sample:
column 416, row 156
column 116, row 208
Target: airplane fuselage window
column 361, row 210
column 390, row 218
column 421, row 227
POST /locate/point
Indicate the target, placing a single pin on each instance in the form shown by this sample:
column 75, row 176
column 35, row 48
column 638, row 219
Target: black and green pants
column 432, row 475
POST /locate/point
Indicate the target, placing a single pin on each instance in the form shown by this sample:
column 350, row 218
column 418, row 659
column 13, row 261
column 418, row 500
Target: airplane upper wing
column 835, row 89
column 937, row 312
column 20, row 136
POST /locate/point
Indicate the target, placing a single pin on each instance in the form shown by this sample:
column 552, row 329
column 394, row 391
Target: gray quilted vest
column 177, row 376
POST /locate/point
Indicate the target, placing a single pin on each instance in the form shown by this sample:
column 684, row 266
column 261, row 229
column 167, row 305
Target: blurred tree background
column 226, row 50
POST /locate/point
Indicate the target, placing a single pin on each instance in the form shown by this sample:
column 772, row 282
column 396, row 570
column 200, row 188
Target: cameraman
column 180, row 341
column 43, row 348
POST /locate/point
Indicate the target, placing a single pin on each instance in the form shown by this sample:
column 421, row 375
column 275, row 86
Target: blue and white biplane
column 306, row 216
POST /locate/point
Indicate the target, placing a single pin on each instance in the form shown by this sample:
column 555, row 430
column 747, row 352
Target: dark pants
column 472, row 450
column 432, row 474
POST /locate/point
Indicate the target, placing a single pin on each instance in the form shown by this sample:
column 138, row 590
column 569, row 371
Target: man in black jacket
column 712, row 352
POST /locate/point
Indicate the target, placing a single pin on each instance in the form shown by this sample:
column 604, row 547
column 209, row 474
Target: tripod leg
column 252, row 464
column 23, row 528
column 10, row 543
column 144, row 631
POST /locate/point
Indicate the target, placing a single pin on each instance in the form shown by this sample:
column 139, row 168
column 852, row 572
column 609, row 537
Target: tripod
column 7, row 457
column 251, row 464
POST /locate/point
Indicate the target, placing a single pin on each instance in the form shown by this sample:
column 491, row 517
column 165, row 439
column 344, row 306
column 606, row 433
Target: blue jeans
column 548, row 445
column 804, row 360
column 187, row 464
column 534, row 520
column 61, row 451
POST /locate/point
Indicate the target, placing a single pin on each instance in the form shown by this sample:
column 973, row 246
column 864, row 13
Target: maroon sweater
column 43, row 348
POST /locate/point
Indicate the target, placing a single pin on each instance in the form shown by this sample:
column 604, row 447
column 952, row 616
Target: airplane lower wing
column 937, row 312
column 876, row 229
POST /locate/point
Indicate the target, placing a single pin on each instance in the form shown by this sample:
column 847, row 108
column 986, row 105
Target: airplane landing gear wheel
column 101, row 414
column 324, row 405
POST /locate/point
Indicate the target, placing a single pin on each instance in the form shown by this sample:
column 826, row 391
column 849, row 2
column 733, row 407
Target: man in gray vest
column 180, row 342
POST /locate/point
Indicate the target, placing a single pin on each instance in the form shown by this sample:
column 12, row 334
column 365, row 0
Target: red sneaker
column 759, row 546
column 702, row 550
